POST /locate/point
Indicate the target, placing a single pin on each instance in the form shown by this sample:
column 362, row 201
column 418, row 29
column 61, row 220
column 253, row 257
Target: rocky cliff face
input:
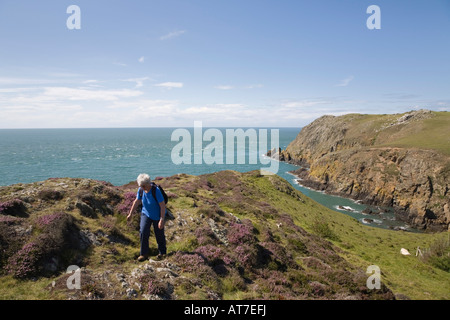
column 392, row 160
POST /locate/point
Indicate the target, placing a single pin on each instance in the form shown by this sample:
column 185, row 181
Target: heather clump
column 124, row 206
column 50, row 194
column 274, row 285
column 41, row 254
column 24, row 263
column 216, row 257
column 246, row 256
column 152, row 285
column 46, row 220
column 205, row 236
column 281, row 259
column 195, row 264
column 13, row 207
column 241, row 233
column 9, row 220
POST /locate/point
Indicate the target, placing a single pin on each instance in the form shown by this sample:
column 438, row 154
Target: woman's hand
column 161, row 224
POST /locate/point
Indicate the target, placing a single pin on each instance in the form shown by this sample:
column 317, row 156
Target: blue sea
column 119, row 155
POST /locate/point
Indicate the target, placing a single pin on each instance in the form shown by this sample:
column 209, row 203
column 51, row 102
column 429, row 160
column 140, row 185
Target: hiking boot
column 142, row 258
column 160, row 257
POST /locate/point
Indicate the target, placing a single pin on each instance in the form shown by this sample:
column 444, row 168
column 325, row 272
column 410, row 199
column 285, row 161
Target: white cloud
column 254, row 86
column 17, row 90
column 170, row 85
column 64, row 75
column 66, row 93
column 141, row 59
column 173, row 34
column 139, row 81
column 224, row 87
column 305, row 103
column 90, row 81
column 24, row 81
column 345, row 82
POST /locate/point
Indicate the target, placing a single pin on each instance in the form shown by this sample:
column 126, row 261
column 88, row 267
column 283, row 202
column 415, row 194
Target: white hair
column 143, row 179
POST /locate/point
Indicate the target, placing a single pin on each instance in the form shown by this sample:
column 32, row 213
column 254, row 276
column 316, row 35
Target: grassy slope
column 366, row 246
column 432, row 133
column 361, row 245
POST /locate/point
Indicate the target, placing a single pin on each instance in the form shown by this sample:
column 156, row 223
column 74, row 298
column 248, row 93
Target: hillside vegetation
column 235, row 236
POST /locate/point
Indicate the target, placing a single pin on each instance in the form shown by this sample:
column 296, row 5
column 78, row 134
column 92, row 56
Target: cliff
column 400, row 160
column 235, row 236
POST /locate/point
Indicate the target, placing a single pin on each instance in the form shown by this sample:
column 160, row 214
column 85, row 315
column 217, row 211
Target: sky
column 227, row 63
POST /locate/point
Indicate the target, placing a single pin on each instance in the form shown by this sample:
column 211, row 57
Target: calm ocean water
column 118, row 155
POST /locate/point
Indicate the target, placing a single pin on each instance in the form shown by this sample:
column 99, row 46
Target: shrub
column 279, row 255
column 9, row 220
column 12, row 207
column 189, row 262
column 24, row 263
column 214, row 255
column 276, row 284
column 44, row 221
column 211, row 211
column 239, row 234
column 195, row 264
column 322, row 229
column 246, row 256
column 31, row 259
column 49, row 194
column 438, row 254
column 205, row 236
column 156, row 287
column 125, row 206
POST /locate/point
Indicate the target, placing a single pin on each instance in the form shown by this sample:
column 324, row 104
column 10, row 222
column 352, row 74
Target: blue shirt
column 149, row 205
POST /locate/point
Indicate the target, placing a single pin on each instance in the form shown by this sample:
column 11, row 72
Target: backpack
column 154, row 186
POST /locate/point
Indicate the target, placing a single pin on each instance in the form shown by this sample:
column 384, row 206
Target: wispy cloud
column 141, row 59
column 120, row 64
column 172, row 34
column 24, row 81
column 345, row 82
column 139, row 81
column 299, row 104
column 254, row 86
column 224, row 87
column 170, row 85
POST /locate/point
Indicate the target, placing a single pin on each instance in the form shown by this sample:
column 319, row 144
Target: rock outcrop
column 400, row 160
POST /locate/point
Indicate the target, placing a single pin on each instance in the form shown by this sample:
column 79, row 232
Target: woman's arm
column 162, row 214
column 133, row 208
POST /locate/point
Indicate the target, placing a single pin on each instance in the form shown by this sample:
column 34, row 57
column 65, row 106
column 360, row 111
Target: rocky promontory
column 398, row 160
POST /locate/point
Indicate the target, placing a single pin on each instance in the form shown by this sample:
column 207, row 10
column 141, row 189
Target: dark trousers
column 146, row 224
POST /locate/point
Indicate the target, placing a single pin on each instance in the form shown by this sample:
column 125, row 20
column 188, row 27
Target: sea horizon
column 118, row 155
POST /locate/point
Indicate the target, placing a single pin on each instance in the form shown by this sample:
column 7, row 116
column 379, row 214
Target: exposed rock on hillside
column 399, row 160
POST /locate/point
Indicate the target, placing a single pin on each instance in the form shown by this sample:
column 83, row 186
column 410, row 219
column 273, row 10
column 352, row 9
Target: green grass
column 433, row 133
column 359, row 244
column 364, row 246
column 13, row 289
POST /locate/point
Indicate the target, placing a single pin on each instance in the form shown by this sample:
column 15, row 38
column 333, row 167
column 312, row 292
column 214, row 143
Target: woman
column 153, row 213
